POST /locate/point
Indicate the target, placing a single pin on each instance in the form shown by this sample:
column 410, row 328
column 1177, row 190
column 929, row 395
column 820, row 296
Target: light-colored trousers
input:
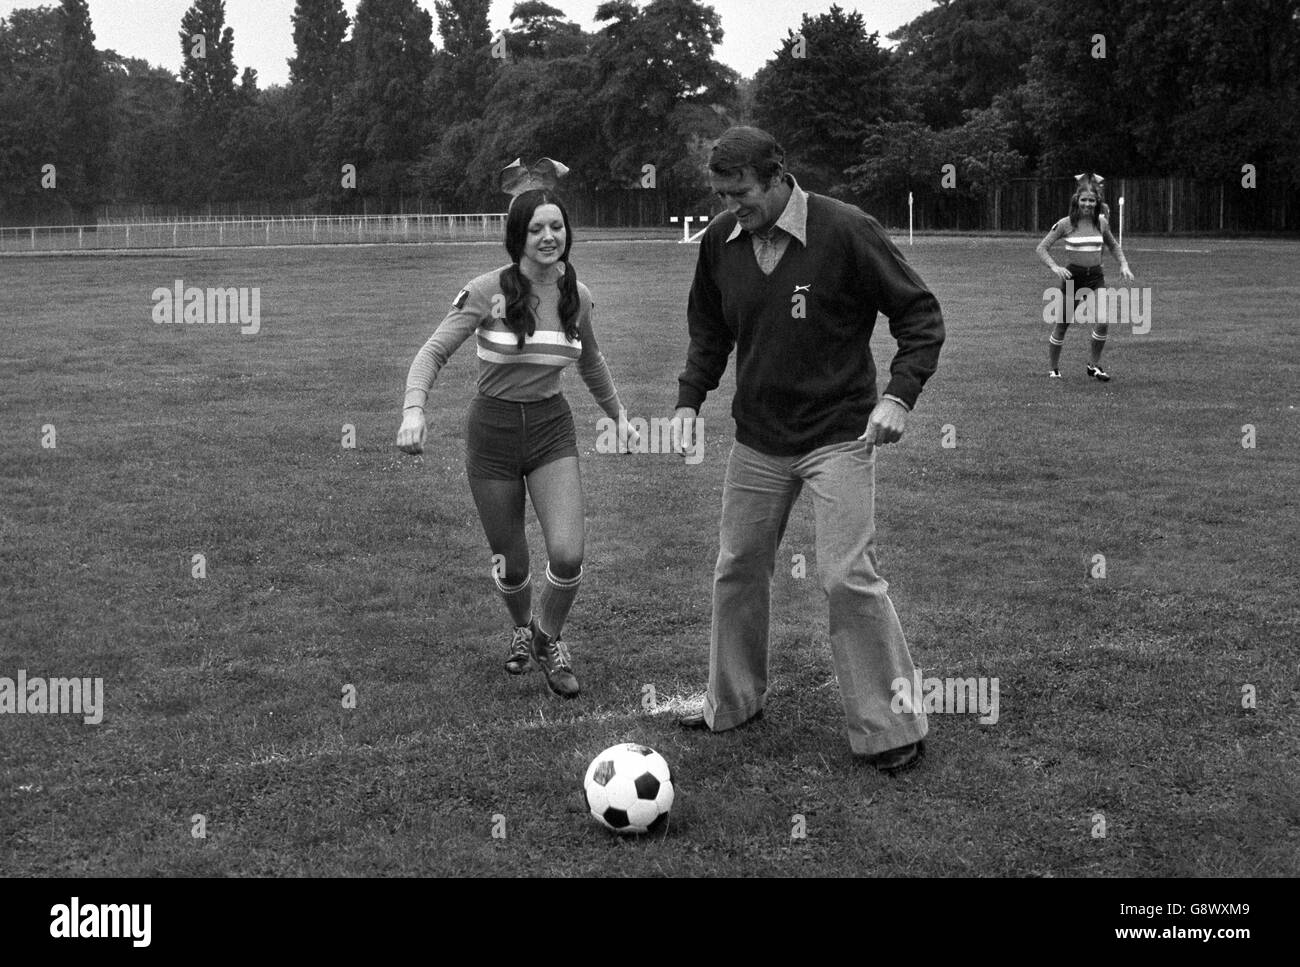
column 867, row 643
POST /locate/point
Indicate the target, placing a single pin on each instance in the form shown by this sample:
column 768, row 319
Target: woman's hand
column 1062, row 272
column 628, row 437
column 410, row 438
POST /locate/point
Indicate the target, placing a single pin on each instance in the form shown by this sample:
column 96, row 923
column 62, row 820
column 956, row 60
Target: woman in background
column 1084, row 230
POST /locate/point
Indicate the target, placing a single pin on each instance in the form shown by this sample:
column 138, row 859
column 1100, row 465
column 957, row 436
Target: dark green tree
column 1218, row 85
column 981, row 151
column 208, row 61
column 259, row 150
column 320, row 64
column 147, row 155
column 84, row 112
column 960, row 55
column 821, row 93
column 320, row 72
column 208, row 98
column 29, row 133
column 464, row 70
column 898, row 157
column 247, row 93
column 383, row 123
column 653, row 68
column 541, row 31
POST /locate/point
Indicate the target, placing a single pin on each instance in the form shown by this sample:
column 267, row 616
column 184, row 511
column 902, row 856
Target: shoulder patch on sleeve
column 461, row 297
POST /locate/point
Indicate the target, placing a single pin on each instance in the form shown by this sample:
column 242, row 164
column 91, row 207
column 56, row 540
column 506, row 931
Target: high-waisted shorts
column 1084, row 277
column 507, row 441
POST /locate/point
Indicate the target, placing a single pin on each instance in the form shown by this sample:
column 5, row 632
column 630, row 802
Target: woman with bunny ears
column 1084, row 230
column 530, row 320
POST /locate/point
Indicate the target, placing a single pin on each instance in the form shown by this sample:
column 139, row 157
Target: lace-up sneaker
column 550, row 655
column 1096, row 372
column 518, row 659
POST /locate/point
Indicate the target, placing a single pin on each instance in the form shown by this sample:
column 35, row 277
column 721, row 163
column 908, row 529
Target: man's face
column 756, row 204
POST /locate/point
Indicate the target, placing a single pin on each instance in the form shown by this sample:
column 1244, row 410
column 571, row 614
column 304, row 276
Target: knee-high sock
column 1098, row 344
column 555, row 601
column 518, row 599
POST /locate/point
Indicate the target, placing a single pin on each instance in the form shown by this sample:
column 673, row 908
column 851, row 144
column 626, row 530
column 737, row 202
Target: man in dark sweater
column 794, row 281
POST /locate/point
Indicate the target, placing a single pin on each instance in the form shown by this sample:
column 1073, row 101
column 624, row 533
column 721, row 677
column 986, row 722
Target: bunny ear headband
column 545, row 173
column 1095, row 177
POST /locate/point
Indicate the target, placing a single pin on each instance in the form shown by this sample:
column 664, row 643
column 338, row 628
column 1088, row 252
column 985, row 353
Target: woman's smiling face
column 546, row 236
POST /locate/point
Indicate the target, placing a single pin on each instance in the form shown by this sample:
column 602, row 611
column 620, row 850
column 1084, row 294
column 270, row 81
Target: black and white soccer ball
column 629, row 789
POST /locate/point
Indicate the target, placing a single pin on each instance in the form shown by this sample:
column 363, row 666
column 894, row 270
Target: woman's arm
column 594, row 370
column 1112, row 243
column 1058, row 231
column 467, row 310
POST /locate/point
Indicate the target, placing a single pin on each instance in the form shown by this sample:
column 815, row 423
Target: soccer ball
column 629, row 789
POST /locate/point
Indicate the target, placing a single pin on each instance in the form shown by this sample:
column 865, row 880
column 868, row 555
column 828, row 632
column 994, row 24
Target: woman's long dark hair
column 520, row 300
column 1088, row 183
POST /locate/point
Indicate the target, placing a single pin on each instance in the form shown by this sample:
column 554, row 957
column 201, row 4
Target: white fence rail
column 210, row 232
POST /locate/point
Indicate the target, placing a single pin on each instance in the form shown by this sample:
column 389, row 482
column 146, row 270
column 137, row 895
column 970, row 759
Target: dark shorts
column 1084, row 277
column 508, row 441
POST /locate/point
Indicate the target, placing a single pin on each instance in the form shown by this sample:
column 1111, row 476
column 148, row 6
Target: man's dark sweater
column 804, row 383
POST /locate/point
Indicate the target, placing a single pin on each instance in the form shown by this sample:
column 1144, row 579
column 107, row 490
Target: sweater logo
column 799, row 302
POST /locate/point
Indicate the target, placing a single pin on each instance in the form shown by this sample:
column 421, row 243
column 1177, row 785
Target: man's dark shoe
column 695, row 720
column 550, row 655
column 898, row 760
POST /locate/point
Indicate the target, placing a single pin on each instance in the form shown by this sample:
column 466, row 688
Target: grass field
column 1120, row 697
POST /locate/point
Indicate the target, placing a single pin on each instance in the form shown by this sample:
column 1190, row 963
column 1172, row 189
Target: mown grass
column 329, row 567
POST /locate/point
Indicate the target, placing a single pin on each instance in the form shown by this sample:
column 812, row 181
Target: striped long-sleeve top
column 506, row 370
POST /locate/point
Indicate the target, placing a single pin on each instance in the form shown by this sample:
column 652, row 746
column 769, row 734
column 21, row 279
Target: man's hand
column 410, row 438
column 887, row 423
column 683, row 427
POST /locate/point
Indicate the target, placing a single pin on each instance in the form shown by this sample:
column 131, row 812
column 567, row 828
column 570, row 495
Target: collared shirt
column 793, row 223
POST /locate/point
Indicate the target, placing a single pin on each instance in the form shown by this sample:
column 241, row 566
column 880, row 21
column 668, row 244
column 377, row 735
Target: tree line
column 974, row 93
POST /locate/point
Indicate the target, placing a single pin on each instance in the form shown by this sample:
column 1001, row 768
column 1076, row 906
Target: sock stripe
column 507, row 589
column 563, row 583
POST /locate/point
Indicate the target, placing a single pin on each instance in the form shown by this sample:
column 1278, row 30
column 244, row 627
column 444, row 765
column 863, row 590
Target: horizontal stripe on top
column 546, row 336
column 537, row 359
column 510, row 348
column 1084, row 243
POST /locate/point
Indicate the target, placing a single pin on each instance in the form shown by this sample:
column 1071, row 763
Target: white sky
column 752, row 29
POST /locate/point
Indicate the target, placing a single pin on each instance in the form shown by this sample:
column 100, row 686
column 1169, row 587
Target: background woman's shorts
column 507, row 441
column 1083, row 277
